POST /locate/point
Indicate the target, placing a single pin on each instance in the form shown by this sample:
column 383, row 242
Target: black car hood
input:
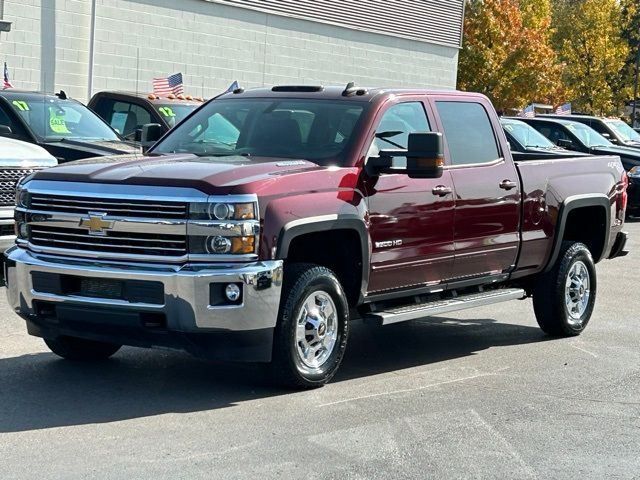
column 96, row 148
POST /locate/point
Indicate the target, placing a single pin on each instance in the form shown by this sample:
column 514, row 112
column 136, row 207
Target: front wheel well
column 339, row 250
column 587, row 225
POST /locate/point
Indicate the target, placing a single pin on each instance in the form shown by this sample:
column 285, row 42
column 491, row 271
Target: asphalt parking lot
column 482, row 394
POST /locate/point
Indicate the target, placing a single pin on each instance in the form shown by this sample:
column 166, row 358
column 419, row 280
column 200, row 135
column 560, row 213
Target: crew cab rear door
column 487, row 188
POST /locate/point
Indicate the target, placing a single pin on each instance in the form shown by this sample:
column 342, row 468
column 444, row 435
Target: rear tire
column 564, row 297
column 79, row 349
column 313, row 327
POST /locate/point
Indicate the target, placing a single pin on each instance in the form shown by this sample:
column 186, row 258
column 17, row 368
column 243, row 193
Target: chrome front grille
column 136, row 223
column 8, row 179
column 132, row 243
column 112, row 207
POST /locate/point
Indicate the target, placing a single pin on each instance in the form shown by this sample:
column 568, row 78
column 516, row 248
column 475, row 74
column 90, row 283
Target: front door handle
column 508, row 185
column 441, row 190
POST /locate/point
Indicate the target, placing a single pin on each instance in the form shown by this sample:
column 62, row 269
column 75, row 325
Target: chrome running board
column 411, row 312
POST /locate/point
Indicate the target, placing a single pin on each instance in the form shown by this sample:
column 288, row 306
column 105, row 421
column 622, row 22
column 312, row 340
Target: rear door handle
column 508, row 185
column 441, row 190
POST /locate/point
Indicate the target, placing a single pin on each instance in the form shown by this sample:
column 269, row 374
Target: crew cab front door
column 411, row 220
column 487, row 188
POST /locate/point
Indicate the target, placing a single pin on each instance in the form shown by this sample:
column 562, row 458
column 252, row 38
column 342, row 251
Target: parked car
column 128, row 112
column 261, row 225
column 613, row 129
column 580, row 138
column 17, row 159
column 527, row 143
column 64, row 127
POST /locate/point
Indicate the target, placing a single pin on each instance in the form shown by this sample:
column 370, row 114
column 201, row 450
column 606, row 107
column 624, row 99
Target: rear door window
column 468, row 132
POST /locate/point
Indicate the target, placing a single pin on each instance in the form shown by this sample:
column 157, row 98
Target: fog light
column 232, row 292
column 219, row 244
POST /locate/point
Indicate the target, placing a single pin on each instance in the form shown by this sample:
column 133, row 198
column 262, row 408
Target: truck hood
column 94, row 148
column 211, row 175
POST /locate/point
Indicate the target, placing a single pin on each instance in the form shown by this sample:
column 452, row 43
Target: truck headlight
column 223, row 228
column 634, row 172
column 22, row 197
column 222, row 211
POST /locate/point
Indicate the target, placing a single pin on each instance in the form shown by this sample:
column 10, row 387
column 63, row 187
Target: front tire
column 313, row 327
column 80, row 349
column 564, row 297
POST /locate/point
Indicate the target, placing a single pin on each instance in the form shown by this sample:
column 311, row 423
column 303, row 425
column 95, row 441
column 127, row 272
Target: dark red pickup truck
column 266, row 221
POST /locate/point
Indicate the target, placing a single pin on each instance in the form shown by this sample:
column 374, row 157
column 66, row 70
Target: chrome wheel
column 316, row 329
column 577, row 292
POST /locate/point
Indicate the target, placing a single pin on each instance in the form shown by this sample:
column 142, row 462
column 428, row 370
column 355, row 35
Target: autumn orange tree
column 507, row 54
column 588, row 37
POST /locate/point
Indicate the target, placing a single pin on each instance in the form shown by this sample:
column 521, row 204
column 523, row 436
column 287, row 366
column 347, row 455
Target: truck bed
column 550, row 186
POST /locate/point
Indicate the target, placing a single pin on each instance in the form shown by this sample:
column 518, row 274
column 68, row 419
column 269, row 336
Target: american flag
column 6, row 83
column 171, row 84
column 564, row 109
column 528, row 112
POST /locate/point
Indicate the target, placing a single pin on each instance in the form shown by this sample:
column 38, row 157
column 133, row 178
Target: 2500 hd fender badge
column 389, row 243
column 96, row 223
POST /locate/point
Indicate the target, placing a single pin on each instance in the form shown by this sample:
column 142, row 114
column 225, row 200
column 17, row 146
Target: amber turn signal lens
column 244, row 211
column 243, row 245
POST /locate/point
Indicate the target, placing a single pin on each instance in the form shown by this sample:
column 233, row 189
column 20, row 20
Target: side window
column 468, row 132
column 395, row 126
column 599, row 127
column 553, row 133
column 16, row 130
column 127, row 117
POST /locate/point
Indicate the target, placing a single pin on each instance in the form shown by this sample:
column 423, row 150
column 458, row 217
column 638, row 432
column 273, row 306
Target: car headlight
column 223, row 228
column 634, row 172
column 222, row 211
column 22, row 196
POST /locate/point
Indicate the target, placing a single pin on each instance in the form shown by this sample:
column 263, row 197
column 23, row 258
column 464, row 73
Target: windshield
column 316, row 130
column 53, row 119
column 588, row 135
column 526, row 135
column 624, row 131
column 174, row 113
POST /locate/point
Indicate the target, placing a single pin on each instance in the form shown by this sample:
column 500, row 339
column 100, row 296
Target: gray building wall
column 212, row 42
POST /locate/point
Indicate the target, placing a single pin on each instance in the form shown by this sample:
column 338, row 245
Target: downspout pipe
column 92, row 42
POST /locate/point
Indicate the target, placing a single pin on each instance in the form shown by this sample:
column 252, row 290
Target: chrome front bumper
column 186, row 290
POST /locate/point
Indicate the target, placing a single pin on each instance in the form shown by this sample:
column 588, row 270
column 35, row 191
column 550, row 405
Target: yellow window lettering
column 21, row 105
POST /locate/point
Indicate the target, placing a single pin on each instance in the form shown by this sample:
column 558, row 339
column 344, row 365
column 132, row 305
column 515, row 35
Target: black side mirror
column 424, row 153
column 150, row 134
column 5, row 130
column 564, row 143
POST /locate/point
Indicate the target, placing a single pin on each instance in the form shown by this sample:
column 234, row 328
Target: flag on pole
column 564, row 109
column 234, row 86
column 171, row 84
column 528, row 112
column 6, row 83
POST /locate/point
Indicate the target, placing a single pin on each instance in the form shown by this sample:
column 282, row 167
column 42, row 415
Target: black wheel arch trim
column 572, row 203
column 326, row 223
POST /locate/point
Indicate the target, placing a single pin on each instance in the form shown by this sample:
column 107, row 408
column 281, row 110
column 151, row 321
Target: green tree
column 631, row 34
column 507, row 54
column 588, row 37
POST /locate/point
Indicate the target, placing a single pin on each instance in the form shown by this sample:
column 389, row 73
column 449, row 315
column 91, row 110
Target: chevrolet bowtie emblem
column 96, row 224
